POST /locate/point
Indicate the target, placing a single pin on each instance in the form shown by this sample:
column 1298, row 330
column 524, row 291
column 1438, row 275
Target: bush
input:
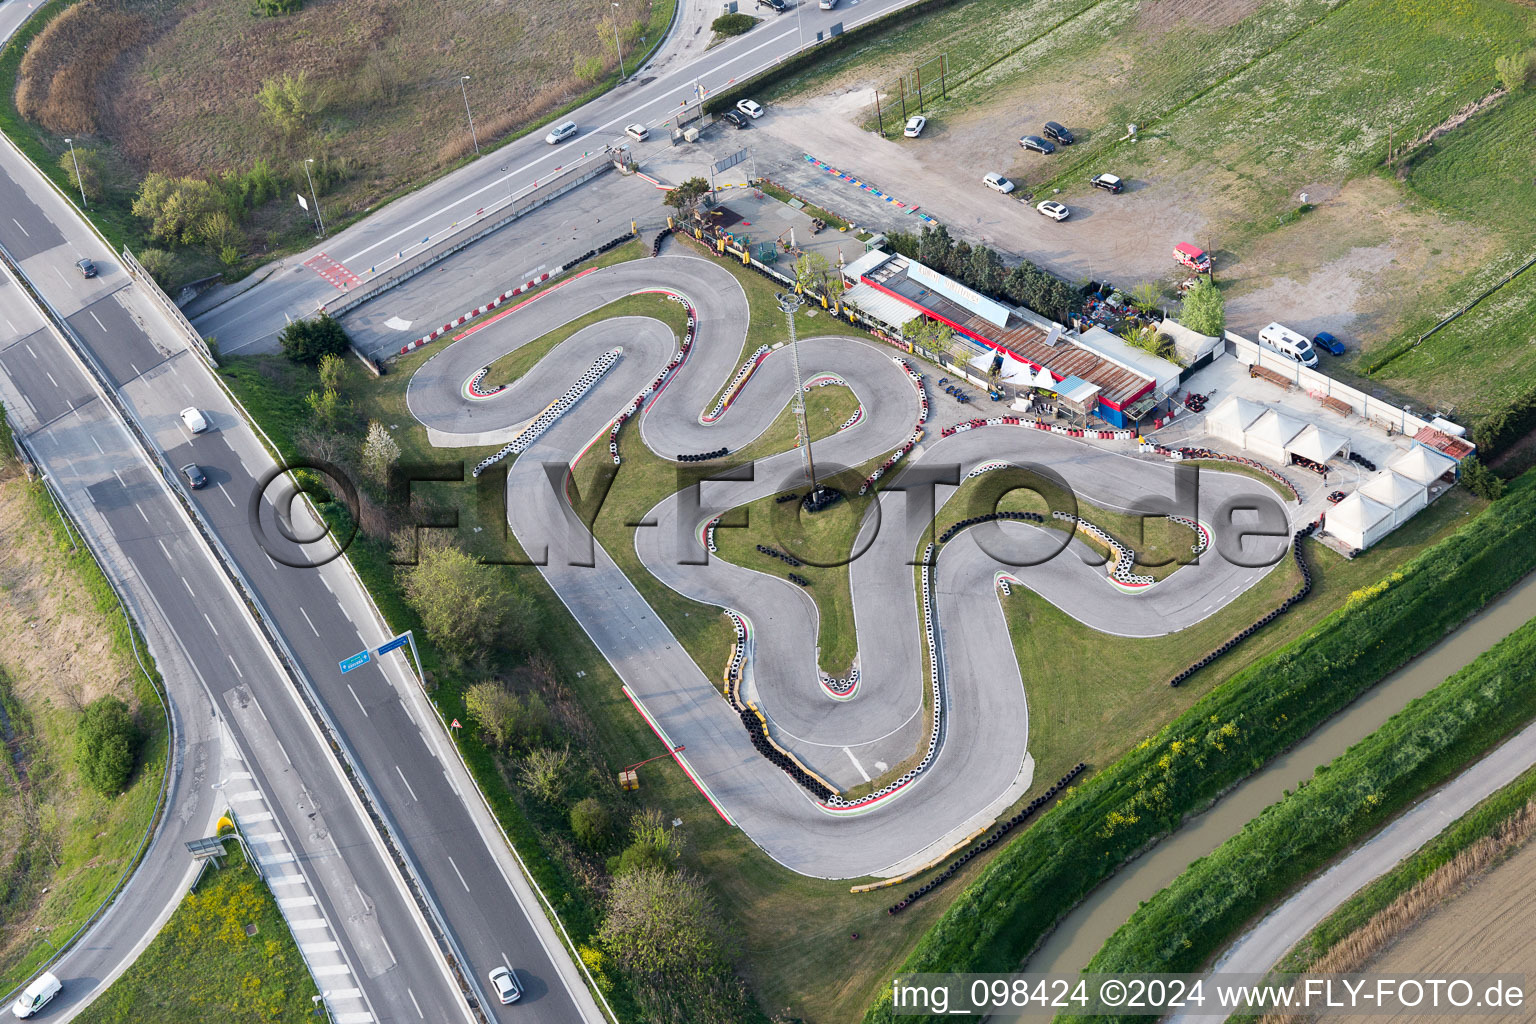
column 1481, row 480
column 469, row 609
column 274, row 8
column 732, row 24
column 511, row 720
column 592, row 823
column 1205, row 310
column 1514, row 70
column 106, row 744
column 546, row 774
column 1227, row 734
column 306, row 341
column 90, row 167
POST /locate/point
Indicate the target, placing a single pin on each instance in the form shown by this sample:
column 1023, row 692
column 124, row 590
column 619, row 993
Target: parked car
column 734, row 118
column 777, row 6
column 1037, row 144
column 750, row 107
column 194, row 420
column 561, row 132
column 1328, row 343
column 1054, row 210
column 195, row 475
column 1107, row 182
column 638, row 132
column 1193, row 257
column 504, row 981
column 996, row 181
column 827, row 5
column 37, row 995
column 1281, row 339
column 1055, row 131
column 915, row 126
column 86, row 267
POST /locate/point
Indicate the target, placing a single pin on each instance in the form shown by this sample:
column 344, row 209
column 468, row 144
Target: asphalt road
column 983, row 764
column 251, row 317
column 322, row 615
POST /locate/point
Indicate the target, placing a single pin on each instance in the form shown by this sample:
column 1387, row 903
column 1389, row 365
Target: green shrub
column 274, row 8
column 732, row 24
column 106, row 745
column 1232, row 731
column 1481, row 480
column 592, row 823
column 305, row 341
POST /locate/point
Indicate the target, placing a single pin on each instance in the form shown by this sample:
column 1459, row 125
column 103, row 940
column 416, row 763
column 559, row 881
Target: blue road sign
column 394, row 644
column 357, row 660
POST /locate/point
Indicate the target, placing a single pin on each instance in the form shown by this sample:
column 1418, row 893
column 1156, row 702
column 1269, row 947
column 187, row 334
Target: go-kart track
column 980, row 763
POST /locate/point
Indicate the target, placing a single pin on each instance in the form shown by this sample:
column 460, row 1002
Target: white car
column 1054, row 210
column 827, row 5
column 561, row 132
column 38, row 995
column 750, row 108
column 194, row 420
column 505, row 983
column 998, row 183
column 915, row 127
column 638, row 132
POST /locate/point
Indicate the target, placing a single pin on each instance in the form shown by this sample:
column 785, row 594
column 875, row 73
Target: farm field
column 1230, row 135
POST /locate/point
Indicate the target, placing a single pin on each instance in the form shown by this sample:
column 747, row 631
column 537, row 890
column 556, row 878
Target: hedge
column 1231, row 732
column 1419, row 747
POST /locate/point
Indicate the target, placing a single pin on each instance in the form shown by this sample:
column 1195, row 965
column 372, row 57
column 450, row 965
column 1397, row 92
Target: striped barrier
column 427, row 339
column 552, row 412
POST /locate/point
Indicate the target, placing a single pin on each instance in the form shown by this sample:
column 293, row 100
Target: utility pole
column 465, row 91
column 315, row 199
column 789, row 302
column 617, row 45
column 78, row 179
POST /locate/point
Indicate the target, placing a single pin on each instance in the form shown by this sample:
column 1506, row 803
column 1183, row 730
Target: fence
column 139, row 274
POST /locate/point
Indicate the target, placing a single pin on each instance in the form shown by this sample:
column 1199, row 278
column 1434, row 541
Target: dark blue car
column 1328, row 343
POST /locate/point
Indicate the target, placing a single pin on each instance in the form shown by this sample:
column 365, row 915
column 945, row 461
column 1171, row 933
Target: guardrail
column 138, row 273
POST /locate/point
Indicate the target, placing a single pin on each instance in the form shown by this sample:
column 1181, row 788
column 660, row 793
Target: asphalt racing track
column 981, row 764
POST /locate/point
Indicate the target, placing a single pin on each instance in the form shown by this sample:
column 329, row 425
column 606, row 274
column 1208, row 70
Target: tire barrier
column 1202, row 533
column 789, row 496
column 989, row 517
column 840, row 689
column 1363, row 462
column 1271, row 616
column 472, row 389
column 781, row 556
column 559, row 407
column 990, row 841
column 912, row 438
column 737, row 383
column 822, row 380
column 612, row 243
column 858, row 414
column 661, row 236
column 705, row 456
column 798, row 580
column 1206, row 453
column 1121, row 556
column 1036, row 424
column 660, row 382
column 709, row 535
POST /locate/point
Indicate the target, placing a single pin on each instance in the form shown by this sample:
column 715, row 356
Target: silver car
column 504, row 981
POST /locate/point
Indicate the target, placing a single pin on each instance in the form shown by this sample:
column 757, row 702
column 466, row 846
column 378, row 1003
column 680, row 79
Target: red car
column 1193, row 257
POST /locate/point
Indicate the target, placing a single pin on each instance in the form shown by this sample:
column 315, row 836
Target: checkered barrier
column 660, row 382
column 472, row 387
column 1121, row 557
column 559, row 407
column 1202, row 535
column 737, row 383
column 1055, row 428
column 1180, row 454
column 992, row 840
column 1285, row 606
column 990, row 517
column 912, row 438
column 427, row 339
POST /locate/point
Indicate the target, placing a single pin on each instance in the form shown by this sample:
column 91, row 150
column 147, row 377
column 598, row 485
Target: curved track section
column 979, row 763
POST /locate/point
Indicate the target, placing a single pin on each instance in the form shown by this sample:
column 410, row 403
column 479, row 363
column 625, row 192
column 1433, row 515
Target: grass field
column 63, row 643
column 205, row 966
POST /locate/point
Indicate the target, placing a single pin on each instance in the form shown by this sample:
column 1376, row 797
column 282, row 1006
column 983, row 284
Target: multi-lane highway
column 249, row 319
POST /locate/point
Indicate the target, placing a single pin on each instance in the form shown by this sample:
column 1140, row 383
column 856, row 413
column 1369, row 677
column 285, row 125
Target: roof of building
column 885, row 308
column 865, row 263
column 1117, row 350
column 1357, row 512
column 1444, row 443
column 1318, row 444
column 1392, row 490
column 1275, row 427
column 1421, row 465
column 1022, row 337
column 1233, row 415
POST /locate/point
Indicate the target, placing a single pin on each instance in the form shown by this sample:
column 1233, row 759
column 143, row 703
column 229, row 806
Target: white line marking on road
column 188, row 586
column 231, row 658
column 50, row 378
column 359, row 701
column 98, row 445
column 326, row 582
column 23, row 230
column 227, row 497
column 385, row 942
column 407, row 784
column 312, row 628
column 415, row 1003
column 857, row 767
column 163, row 549
column 459, row 873
column 135, row 368
column 97, row 319
column 119, row 478
column 28, row 347
column 276, row 740
column 141, row 512
column 210, row 623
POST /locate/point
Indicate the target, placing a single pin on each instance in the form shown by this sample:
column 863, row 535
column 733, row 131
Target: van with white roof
column 38, row 995
column 1281, row 339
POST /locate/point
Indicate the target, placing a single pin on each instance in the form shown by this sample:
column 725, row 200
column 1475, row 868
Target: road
column 250, row 317
column 982, row 765
column 379, row 713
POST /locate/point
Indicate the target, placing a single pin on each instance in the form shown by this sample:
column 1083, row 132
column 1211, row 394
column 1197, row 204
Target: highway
column 379, row 713
column 249, row 317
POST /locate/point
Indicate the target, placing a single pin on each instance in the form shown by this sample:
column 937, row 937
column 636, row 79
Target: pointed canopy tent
column 1270, row 434
column 1403, row 496
column 1318, row 444
column 1358, row 521
column 1421, row 465
column 1230, row 419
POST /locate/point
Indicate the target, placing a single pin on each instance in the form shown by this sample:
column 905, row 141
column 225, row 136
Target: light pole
column 617, row 46
column 78, row 180
column 319, row 1001
column 819, row 497
column 463, row 89
column 38, row 931
column 314, row 198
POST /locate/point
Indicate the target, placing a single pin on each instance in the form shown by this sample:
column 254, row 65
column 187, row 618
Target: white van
column 561, row 132
column 37, row 995
column 1288, row 343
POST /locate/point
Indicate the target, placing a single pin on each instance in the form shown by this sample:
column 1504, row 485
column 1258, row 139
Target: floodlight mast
column 789, row 302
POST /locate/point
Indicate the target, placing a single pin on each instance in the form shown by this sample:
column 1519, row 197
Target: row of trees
column 982, row 268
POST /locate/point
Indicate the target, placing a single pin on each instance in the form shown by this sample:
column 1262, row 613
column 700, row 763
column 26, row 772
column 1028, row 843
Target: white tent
column 1318, row 444
column 1358, row 521
column 1230, row 419
column 1421, row 465
column 1403, row 496
column 1270, row 434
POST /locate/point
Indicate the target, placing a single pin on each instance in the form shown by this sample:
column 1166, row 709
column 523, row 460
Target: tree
column 686, row 196
column 307, row 341
column 934, row 246
column 468, row 608
column 176, row 208
column 158, row 264
column 1481, row 480
column 592, row 823
column 106, row 743
column 333, row 371
column 588, row 69
column 1204, row 309
column 325, row 407
column 288, row 103
column 545, row 773
column 510, row 719
column 663, row 929
column 90, row 170
column 1146, row 296
column 812, row 271
column 987, row 272
column 1514, row 70
column 380, row 451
